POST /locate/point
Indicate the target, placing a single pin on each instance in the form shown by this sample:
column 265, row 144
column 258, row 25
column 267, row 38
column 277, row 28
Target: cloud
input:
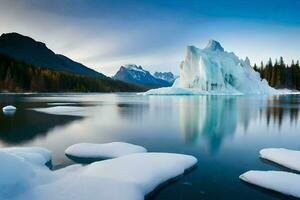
column 106, row 34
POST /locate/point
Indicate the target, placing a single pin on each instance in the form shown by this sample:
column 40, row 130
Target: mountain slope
column 18, row 76
column 137, row 75
column 167, row 76
column 36, row 53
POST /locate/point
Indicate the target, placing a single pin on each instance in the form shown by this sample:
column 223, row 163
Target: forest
column 17, row 76
column 279, row 74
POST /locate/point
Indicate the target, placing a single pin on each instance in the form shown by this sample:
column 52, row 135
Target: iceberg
column 213, row 71
column 133, row 177
column 285, row 157
column 282, row 182
column 95, row 152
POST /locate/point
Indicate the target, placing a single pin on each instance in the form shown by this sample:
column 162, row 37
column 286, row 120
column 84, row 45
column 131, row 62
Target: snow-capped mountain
column 137, row 75
column 214, row 71
column 167, row 76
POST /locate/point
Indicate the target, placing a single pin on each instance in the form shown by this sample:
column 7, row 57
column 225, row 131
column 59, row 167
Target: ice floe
column 62, row 110
column 94, row 152
column 34, row 155
column 285, row 157
column 15, row 175
column 9, row 109
column 283, row 182
column 129, row 177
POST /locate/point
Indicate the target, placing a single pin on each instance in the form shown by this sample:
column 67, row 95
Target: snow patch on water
column 129, row 177
column 281, row 156
column 283, row 182
column 103, row 151
column 62, row 110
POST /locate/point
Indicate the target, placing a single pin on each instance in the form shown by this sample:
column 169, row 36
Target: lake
column 225, row 133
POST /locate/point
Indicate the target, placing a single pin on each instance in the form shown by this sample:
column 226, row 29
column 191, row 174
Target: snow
column 15, row 175
column 62, row 110
column 284, row 157
column 103, row 151
column 283, row 182
column 34, row 155
column 60, row 104
column 129, row 177
column 9, row 108
column 214, row 71
column 135, row 68
column 145, row 170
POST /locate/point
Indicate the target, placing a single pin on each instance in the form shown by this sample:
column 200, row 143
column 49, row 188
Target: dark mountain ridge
column 33, row 52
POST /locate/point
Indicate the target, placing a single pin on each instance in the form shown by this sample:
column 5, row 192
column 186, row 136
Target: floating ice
column 62, row 110
column 128, row 177
column 34, row 155
column 284, row 157
column 9, row 109
column 214, row 71
column 144, row 170
column 283, row 182
column 16, row 175
column 102, row 151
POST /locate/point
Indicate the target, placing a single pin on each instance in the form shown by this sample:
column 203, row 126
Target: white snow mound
column 103, row 151
column 62, row 110
column 281, row 156
column 9, row 108
column 128, row 177
column 283, row 182
column 15, row 175
column 214, row 71
column 34, row 155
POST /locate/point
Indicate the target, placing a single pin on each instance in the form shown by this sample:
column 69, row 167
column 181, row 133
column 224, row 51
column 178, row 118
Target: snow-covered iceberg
column 93, row 152
column 283, row 182
column 214, row 71
column 281, row 156
column 128, row 177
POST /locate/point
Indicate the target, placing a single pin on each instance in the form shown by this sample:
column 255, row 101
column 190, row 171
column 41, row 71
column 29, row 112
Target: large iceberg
column 214, row 71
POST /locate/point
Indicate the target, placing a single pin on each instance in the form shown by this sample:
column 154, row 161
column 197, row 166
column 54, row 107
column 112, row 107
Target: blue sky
column 106, row 34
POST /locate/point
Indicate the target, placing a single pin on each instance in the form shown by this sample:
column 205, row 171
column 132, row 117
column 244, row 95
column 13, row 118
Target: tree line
column 17, row 76
column 279, row 74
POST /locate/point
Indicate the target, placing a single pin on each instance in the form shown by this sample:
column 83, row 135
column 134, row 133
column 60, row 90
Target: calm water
column 224, row 133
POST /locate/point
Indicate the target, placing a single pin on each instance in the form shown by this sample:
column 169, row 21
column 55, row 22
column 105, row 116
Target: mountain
column 18, row 76
column 26, row 49
column 167, row 76
column 212, row 70
column 137, row 75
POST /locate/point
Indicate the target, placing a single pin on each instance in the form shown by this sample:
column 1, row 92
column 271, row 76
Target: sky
column 106, row 34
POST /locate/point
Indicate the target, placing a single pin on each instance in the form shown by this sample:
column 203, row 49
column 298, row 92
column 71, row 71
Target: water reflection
column 25, row 125
column 211, row 119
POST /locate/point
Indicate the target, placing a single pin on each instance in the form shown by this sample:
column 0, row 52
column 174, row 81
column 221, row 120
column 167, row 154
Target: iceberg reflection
column 211, row 119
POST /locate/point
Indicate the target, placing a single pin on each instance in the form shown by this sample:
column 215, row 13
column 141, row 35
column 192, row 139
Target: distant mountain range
column 137, row 75
column 167, row 76
column 28, row 50
column 27, row 65
column 32, row 53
